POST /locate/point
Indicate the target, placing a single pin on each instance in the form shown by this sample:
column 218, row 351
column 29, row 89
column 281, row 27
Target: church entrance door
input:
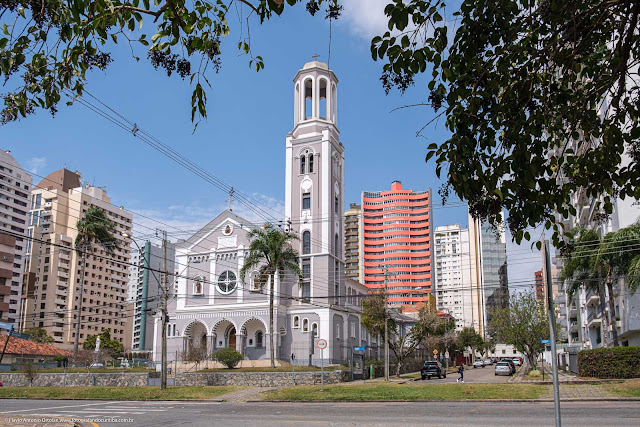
column 231, row 339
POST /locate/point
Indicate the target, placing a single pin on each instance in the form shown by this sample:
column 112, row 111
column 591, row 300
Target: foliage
column 615, row 362
column 195, row 354
column 96, row 227
column 540, row 97
column 593, row 262
column 270, row 252
column 404, row 337
column 523, row 324
column 468, row 337
column 38, row 335
column 112, row 346
column 47, row 48
column 118, row 393
column 228, row 357
column 30, row 372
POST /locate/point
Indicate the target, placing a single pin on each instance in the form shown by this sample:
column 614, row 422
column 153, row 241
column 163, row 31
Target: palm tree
column 271, row 253
column 93, row 227
column 598, row 262
column 580, row 267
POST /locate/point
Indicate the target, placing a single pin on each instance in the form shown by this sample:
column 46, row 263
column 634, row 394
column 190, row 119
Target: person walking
column 461, row 372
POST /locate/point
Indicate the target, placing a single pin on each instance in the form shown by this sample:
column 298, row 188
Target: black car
column 432, row 369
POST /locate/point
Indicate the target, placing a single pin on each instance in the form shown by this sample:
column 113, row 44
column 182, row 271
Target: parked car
column 97, row 366
column 486, row 362
column 494, row 360
column 478, row 363
column 503, row 368
column 517, row 361
column 432, row 369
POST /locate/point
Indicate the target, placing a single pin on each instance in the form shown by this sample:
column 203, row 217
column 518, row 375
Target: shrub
column 613, row 362
column 228, row 357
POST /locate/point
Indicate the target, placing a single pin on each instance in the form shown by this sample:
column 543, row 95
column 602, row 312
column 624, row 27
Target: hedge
column 610, row 362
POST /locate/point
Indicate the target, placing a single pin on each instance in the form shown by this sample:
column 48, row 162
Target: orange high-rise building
column 397, row 233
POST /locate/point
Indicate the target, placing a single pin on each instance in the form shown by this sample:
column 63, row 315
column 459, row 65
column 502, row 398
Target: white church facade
column 212, row 308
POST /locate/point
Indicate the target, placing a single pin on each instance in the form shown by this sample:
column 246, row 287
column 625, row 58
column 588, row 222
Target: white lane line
column 57, row 407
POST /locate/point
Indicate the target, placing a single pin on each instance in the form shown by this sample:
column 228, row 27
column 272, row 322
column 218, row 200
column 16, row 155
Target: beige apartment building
column 353, row 242
column 54, row 267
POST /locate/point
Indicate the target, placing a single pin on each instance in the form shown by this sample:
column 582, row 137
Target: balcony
column 63, row 264
column 63, row 274
column 61, row 292
column 64, row 256
column 573, row 308
column 60, row 301
column 63, row 283
column 592, row 297
column 593, row 319
column 573, row 326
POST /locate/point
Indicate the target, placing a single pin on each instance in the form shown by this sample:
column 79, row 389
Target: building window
column 306, row 242
column 336, row 204
column 306, row 281
column 296, row 322
column 337, row 245
column 254, row 285
column 310, row 163
column 353, row 330
column 305, row 325
column 227, row 282
column 303, row 161
column 314, row 329
column 337, row 331
column 259, row 336
column 197, row 285
column 306, row 201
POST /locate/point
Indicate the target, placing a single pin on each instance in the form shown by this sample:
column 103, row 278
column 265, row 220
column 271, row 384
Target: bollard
column 372, row 371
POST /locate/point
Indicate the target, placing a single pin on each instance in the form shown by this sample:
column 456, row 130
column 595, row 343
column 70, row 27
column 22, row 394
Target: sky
column 243, row 139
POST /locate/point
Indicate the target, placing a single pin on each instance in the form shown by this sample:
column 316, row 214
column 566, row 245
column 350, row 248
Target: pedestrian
column 461, row 372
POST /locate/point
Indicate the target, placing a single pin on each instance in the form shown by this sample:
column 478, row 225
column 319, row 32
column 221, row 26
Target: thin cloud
column 365, row 18
column 36, row 163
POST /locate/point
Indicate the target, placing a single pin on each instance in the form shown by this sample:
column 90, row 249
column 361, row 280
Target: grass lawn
column 628, row 388
column 116, row 393
column 410, row 392
column 276, row 369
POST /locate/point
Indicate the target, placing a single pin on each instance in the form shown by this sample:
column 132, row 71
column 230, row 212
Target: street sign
column 322, row 344
column 359, row 348
column 20, row 335
column 446, row 354
column 435, row 352
column 542, row 341
column 7, row 326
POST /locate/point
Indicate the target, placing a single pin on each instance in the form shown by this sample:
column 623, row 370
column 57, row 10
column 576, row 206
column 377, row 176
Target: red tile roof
column 20, row 346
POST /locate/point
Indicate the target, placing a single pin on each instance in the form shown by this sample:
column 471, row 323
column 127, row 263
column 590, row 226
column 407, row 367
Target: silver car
column 502, row 368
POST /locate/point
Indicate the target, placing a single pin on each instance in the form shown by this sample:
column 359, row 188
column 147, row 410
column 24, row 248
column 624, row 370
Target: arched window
column 334, row 105
column 305, row 325
column 168, row 330
column 310, row 163
column 254, row 284
column 306, row 242
column 296, row 322
column 314, row 329
column 303, row 162
column 323, row 99
column 337, row 243
column 337, row 331
column 175, row 334
column 296, row 103
column 259, row 336
column 197, row 285
column 308, row 99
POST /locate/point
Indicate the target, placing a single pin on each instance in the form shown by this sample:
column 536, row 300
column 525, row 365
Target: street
column 476, row 414
column 471, row 375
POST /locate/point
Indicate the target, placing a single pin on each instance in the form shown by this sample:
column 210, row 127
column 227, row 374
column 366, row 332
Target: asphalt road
column 471, row 375
column 476, row 414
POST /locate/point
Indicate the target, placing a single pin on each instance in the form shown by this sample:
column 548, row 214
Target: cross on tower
column 230, row 199
column 315, row 57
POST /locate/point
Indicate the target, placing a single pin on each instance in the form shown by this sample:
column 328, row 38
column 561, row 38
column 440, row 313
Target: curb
column 114, row 400
column 571, row 399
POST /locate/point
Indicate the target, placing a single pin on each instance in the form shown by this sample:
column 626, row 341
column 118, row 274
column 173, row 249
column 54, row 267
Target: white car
column 97, row 366
column 517, row 362
column 478, row 364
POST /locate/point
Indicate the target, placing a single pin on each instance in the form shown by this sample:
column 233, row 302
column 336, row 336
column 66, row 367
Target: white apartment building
column 15, row 186
column 453, row 273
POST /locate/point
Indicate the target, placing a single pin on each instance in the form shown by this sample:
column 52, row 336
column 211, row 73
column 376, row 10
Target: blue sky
column 242, row 141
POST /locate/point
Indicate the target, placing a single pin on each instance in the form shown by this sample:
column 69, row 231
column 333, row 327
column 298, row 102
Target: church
column 212, row 308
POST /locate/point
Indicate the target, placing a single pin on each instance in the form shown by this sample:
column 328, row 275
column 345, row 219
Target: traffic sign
column 542, row 341
column 322, row 344
column 435, row 352
column 446, row 354
column 359, row 348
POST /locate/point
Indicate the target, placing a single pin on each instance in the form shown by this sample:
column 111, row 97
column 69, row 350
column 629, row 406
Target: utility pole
column 165, row 316
column 84, row 247
column 552, row 327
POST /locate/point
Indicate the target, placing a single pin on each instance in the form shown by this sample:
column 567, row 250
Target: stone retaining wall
column 255, row 379
column 259, row 379
column 77, row 380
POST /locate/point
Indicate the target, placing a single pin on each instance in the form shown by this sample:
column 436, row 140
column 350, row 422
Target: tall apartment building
column 541, row 290
column 57, row 203
column 489, row 283
column 397, row 233
column 15, row 185
column 353, row 242
column 145, row 284
column 453, row 273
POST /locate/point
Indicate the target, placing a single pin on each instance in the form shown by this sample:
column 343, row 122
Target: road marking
column 57, row 407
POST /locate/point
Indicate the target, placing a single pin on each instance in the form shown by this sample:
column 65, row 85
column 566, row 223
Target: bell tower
column 314, row 198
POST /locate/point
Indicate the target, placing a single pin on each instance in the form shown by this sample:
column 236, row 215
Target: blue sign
column 359, row 348
column 7, row 326
column 545, row 341
column 20, row 335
